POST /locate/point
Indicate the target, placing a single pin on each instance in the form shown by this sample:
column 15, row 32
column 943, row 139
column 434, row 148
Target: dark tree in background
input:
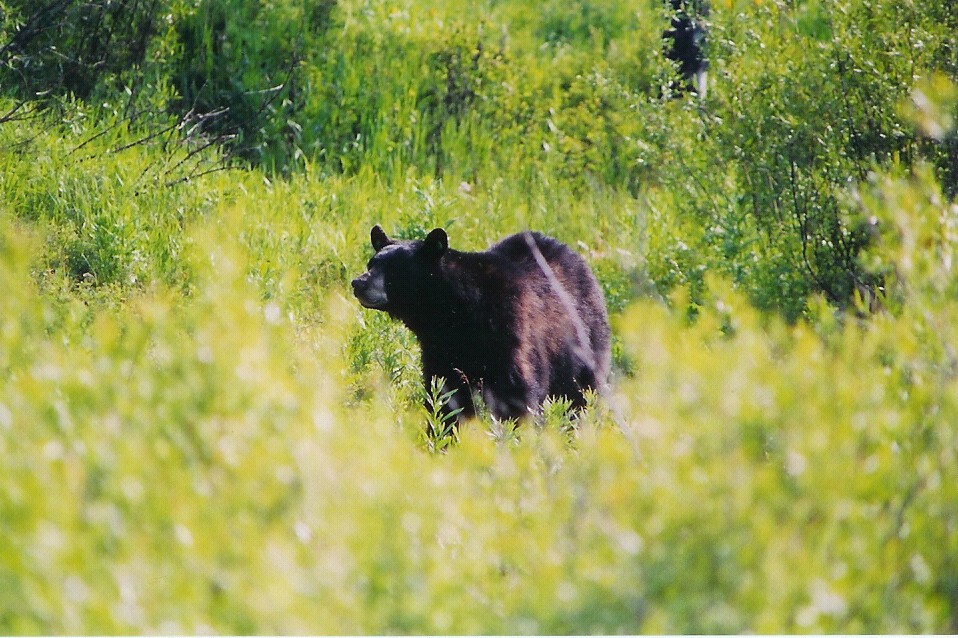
column 685, row 41
column 68, row 47
column 226, row 69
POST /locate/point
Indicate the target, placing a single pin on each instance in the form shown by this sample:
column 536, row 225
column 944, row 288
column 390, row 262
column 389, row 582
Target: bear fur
column 521, row 321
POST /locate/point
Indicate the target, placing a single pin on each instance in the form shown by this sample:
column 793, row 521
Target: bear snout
column 359, row 281
column 370, row 290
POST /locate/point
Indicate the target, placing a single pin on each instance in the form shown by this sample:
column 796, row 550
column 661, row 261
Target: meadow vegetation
column 201, row 431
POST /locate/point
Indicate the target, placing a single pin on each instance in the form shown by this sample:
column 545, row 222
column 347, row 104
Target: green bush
column 72, row 48
column 804, row 99
column 202, row 432
column 241, row 63
column 198, row 463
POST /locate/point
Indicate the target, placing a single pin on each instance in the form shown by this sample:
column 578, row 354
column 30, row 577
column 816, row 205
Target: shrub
column 201, row 432
column 800, row 106
column 165, row 455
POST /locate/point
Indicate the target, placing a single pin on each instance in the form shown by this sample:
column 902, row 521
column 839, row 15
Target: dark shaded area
column 234, row 64
column 70, row 47
column 685, row 40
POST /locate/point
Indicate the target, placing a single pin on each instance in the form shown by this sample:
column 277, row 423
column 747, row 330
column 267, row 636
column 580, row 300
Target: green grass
column 201, row 430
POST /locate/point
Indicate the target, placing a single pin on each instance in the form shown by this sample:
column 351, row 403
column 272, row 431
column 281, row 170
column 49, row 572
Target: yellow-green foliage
column 203, row 462
column 201, row 431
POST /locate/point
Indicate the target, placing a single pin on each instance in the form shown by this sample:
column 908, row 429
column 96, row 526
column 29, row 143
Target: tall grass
column 201, row 431
column 232, row 445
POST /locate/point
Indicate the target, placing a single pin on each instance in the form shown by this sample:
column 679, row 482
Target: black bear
column 516, row 323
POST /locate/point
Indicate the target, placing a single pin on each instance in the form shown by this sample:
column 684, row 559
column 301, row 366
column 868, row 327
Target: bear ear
column 378, row 238
column 436, row 242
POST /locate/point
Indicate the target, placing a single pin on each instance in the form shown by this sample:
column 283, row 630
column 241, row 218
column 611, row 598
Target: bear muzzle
column 370, row 290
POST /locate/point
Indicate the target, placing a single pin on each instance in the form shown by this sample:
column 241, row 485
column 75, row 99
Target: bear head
column 401, row 273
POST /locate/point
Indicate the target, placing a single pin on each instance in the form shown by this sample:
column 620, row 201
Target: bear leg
column 507, row 400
